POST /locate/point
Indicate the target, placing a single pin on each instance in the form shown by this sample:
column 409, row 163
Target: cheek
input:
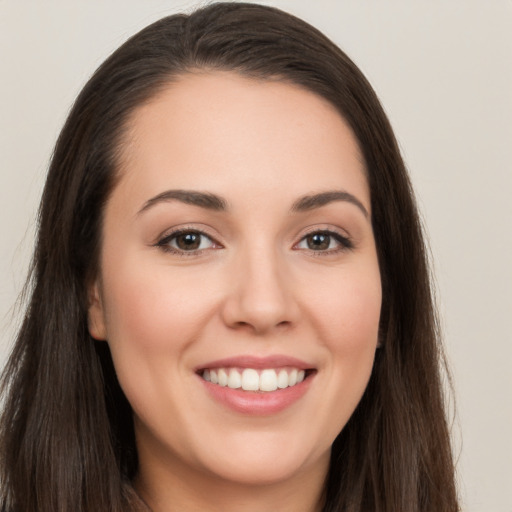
column 349, row 325
column 152, row 311
column 153, row 315
column 348, row 311
column 352, row 345
column 358, row 319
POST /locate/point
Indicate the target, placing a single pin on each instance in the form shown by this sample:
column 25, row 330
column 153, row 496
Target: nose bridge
column 260, row 294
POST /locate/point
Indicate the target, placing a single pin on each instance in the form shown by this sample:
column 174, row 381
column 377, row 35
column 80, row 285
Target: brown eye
column 318, row 241
column 325, row 241
column 188, row 241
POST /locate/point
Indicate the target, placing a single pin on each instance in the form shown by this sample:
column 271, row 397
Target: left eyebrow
column 318, row 200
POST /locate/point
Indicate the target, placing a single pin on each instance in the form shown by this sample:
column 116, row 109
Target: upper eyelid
column 333, row 234
column 323, row 229
column 170, row 241
column 174, row 234
column 177, row 230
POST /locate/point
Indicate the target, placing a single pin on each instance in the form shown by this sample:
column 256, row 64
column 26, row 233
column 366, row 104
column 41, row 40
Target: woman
column 230, row 303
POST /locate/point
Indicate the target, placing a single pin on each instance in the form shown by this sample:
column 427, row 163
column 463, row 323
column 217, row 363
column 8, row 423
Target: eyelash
column 164, row 243
column 345, row 243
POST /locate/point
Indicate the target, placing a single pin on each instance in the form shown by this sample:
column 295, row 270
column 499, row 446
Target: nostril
column 238, row 325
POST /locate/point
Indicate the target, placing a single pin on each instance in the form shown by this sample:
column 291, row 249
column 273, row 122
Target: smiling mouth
column 251, row 379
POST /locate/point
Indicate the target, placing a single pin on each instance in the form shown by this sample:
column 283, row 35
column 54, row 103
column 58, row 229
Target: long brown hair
column 66, row 431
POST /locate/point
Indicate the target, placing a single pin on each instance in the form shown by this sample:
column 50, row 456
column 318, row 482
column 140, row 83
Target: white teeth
column 255, row 380
column 234, row 380
column 268, row 380
column 250, row 380
column 223, row 377
column 282, row 379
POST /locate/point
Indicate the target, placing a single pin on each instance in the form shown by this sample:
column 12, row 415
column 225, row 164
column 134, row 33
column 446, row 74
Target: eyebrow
column 318, row 200
column 214, row 202
column 195, row 198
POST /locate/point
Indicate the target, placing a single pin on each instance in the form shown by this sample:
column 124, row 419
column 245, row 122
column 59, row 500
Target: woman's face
column 238, row 251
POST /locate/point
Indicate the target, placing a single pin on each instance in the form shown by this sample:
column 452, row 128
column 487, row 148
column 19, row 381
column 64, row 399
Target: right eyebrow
column 193, row 197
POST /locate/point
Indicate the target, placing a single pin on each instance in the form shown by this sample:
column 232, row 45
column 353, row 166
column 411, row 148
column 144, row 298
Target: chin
column 266, row 461
column 260, row 472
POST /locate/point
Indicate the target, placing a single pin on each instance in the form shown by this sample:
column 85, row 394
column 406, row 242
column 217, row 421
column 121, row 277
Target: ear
column 96, row 313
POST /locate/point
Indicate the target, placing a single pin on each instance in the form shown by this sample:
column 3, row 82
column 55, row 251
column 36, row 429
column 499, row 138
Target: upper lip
column 256, row 362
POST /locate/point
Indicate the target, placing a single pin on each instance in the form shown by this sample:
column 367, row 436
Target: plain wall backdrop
column 443, row 71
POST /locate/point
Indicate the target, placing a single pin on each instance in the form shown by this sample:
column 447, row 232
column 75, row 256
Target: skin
column 255, row 287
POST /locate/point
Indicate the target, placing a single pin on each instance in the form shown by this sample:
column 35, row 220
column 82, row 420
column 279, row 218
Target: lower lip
column 257, row 403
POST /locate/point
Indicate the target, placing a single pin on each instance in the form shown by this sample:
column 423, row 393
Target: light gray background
column 443, row 70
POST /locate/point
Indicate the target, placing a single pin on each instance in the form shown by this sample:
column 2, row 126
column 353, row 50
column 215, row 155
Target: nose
column 261, row 296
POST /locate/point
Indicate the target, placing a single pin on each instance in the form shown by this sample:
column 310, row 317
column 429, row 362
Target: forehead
column 207, row 130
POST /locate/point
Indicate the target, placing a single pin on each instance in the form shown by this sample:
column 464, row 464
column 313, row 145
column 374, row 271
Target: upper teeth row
column 252, row 380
